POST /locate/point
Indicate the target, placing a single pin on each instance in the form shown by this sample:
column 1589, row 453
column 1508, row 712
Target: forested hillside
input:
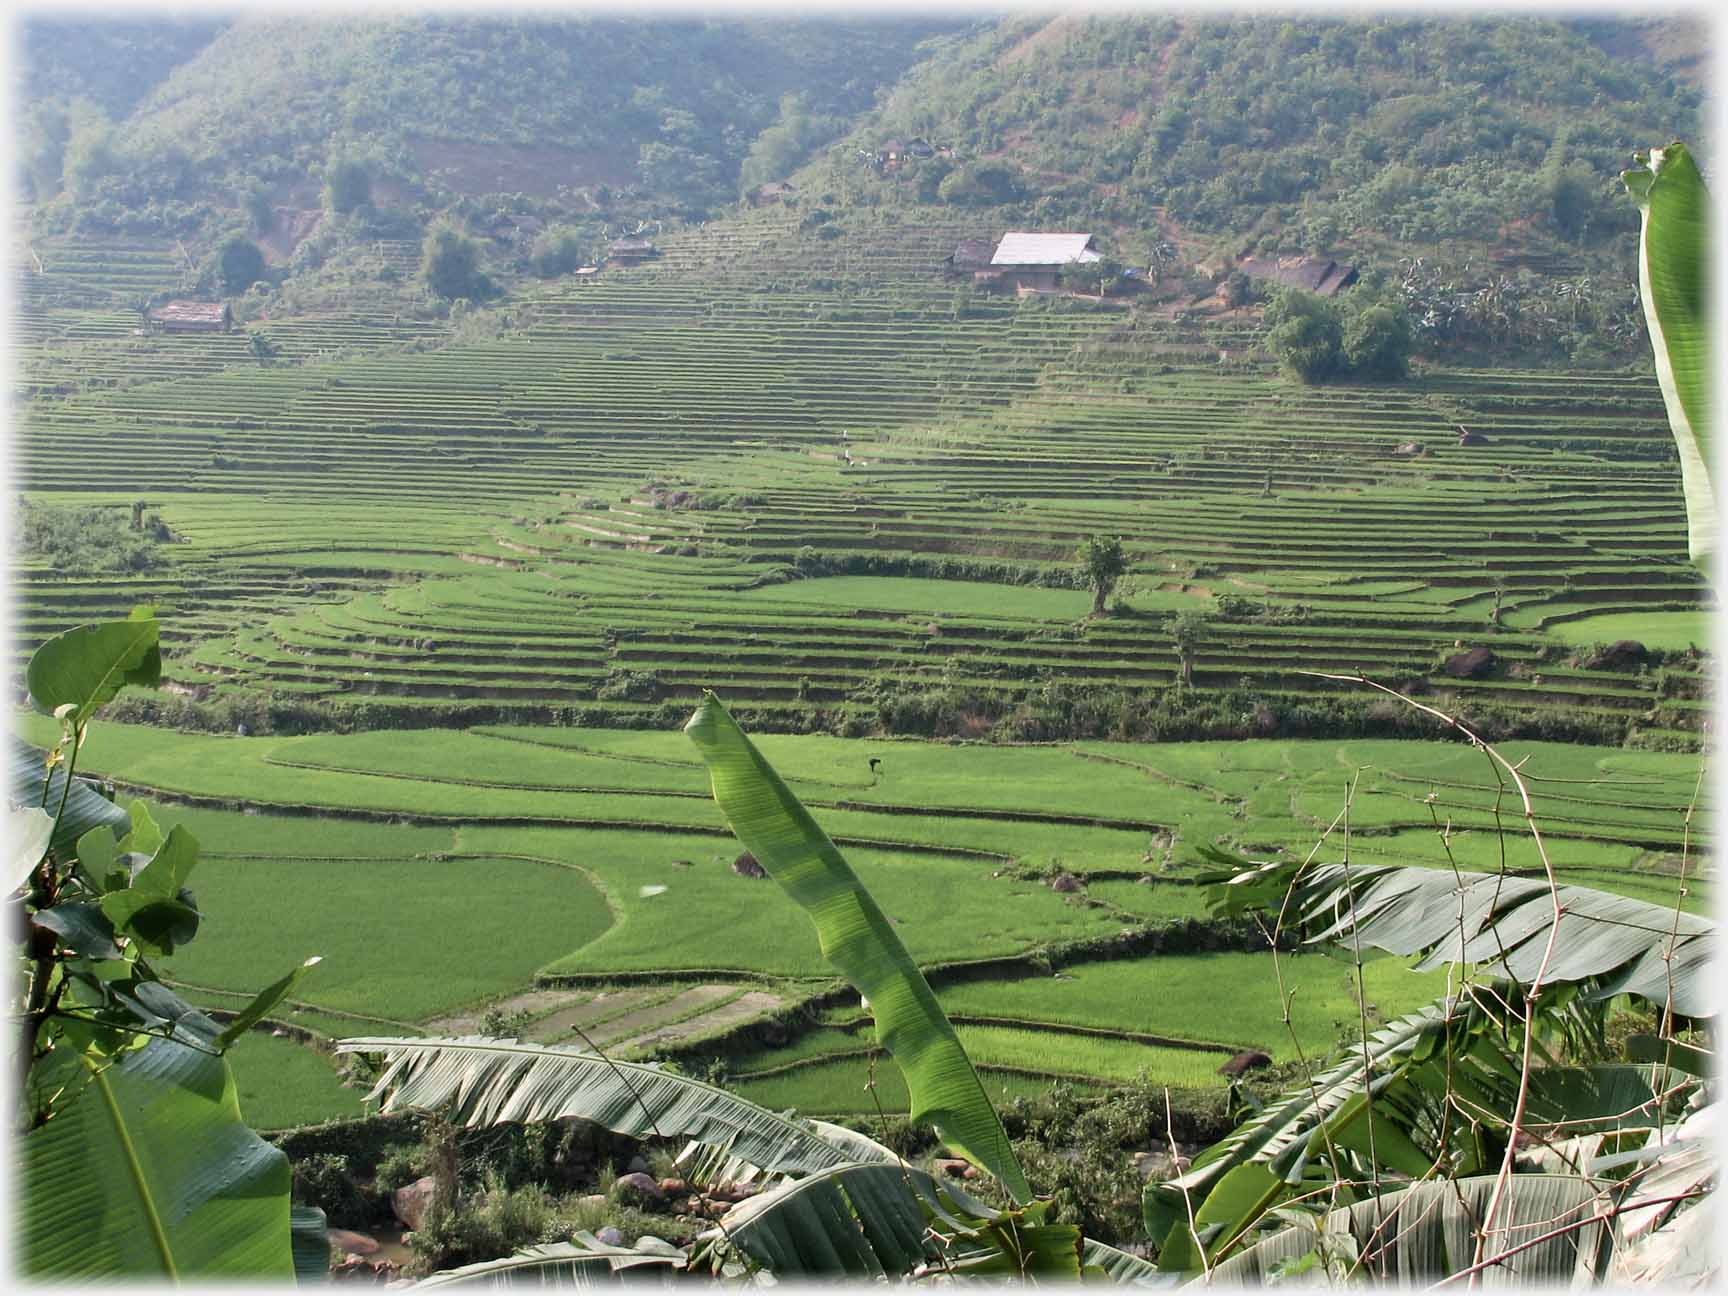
column 450, row 105
column 1297, row 136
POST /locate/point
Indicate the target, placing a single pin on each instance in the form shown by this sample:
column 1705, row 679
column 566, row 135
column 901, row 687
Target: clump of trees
column 558, row 251
column 92, row 539
column 1360, row 335
column 239, row 265
column 347, row 185
column 450, row 266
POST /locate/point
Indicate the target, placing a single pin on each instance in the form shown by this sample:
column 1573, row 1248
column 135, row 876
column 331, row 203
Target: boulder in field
column 639, row 1185
column 412, row 1201
column 1066, row 883
column 1472, row 663
column 1248, row 1060
column 1625, row 654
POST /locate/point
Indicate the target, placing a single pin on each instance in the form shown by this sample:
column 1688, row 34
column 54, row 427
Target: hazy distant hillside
column 1302, row 134
column 112, row 61
column 670, row 105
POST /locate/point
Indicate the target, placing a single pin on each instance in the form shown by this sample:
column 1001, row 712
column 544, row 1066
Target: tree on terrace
column 1104, row 563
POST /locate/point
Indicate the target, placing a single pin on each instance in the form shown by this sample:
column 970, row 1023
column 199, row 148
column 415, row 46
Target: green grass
column 839, row 1088
column 1087, row 1057
column 400, row 938
column 1671, row 630
column 928, row 597
column 1229, row 998
column 282, row 1084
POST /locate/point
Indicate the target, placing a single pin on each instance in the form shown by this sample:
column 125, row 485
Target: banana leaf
column 478, row 1081
column 585, row 1262
column 1416, row 1236
column 149, row 1173
column 1500, row 924
column 309, row 1240
column 1283, row 1128
column 858, row 1221
column 1673, row 282
column 857, row 939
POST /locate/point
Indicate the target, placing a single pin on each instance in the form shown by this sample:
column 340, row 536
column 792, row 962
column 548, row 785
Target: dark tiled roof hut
column 1311, row 274
column 192, row 317
column 629, row 251
column 971, row 254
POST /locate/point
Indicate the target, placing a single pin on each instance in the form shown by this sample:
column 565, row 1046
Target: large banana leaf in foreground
column 1419, row 1235
column 150, row 1174
column 857, row 939
column 586, row 1262
column 1499, row 923
column 1673, row 280
column 872, row 1220
column 480, row 1081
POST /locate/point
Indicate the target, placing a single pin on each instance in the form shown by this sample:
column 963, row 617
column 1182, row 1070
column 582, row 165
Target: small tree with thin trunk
column 1187, row 629
column 1104, row 563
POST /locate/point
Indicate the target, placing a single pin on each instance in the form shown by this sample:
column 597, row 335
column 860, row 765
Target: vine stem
column 1534, row 992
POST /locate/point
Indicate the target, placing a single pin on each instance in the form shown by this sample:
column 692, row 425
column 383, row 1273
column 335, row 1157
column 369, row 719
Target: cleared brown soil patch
column 753, row 1003
column 531, row 1001
column 478, row 168
column 632, row 1024
column 598, row 1008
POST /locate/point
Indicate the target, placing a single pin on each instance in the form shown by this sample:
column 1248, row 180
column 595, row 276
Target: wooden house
column 772, row 192
column 631, row 251
column 1317, row 275
column 969, row 257
column 1029, row 262
column 192, row 317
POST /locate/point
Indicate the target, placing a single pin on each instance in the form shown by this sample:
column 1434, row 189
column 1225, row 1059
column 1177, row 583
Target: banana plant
column 133, row 1159
column 858, row 939
column 1673, row 283
column 1433, row 1094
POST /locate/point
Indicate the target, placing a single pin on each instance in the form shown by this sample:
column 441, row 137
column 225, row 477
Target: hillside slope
column 1302, row 135
column 451, row 104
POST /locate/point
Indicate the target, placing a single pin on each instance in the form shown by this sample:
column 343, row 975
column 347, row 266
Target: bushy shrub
column 326, row 1180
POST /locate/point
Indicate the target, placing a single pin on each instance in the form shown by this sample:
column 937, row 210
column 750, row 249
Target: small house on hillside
column 632, row 251
column 969, row 256
column 192, row 317
column 1031, row 262
column 1311, row 274
column 772, row 192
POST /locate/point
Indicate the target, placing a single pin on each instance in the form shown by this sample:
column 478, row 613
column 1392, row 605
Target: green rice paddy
column 799, row 475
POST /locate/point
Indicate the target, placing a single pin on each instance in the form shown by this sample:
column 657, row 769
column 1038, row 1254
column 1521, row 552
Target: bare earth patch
column 632, row 1024
column 753, row 1003
column 475, row 168
column 531, row 1001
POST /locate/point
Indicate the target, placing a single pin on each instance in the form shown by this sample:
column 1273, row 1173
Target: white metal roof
column 1043, row 249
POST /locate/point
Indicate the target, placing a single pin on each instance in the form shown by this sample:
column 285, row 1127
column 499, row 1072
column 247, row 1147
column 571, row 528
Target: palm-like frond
column 586, row 1262
column 857, row 938
column 1421, row 1234
column 480, row 1081
column 1500, row 924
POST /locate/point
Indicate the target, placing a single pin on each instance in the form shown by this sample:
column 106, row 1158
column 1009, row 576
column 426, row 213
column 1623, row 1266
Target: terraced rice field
column 632, row 481
column 803, row 472
column 577, row 884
